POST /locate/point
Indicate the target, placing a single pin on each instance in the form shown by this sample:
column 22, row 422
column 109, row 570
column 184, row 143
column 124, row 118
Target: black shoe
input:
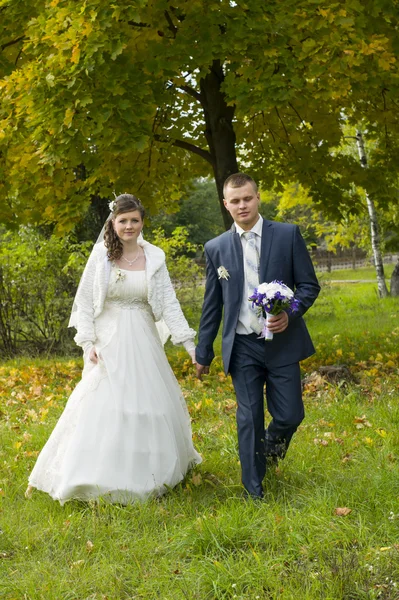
column 253, row 496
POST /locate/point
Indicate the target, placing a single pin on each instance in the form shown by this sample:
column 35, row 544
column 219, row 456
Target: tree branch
column 171, row 25
column 194, row 149
column 7, row 44
column 136, row 24
column 285, row 129
column 186, row 146
column 300, row 119
column 191, row 91
column 18, row 57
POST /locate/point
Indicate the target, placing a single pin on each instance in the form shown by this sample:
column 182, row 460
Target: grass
column 361, row 273
column 203, row 540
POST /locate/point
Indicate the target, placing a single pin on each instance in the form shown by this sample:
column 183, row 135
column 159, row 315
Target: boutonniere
column 120, row 275
column 223, row 273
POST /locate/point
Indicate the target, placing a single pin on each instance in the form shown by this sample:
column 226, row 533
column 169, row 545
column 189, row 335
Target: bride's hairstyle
column 122, row 204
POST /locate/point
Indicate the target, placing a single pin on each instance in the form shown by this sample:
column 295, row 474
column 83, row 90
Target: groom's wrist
column 202, row 359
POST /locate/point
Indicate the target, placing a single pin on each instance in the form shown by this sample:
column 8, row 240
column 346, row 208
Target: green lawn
column 356, row 274
column 328, row 529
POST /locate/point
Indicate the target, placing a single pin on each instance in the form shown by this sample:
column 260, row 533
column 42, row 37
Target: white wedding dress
column 125, row 433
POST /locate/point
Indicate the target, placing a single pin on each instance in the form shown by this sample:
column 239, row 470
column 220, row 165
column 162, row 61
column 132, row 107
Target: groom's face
column 243, row 205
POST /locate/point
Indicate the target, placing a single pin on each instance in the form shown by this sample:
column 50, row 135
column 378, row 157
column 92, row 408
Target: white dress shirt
column 244, row 318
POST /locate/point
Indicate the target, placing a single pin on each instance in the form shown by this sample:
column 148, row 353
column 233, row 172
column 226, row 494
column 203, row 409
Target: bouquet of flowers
column 271, row 299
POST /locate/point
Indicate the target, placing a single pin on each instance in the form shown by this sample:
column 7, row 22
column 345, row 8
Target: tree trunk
column 375, row 236
column 376, row 246
column 395, row 281
column 219, row 131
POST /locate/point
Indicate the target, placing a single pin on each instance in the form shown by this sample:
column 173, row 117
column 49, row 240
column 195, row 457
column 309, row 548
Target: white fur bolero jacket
column 92, row 291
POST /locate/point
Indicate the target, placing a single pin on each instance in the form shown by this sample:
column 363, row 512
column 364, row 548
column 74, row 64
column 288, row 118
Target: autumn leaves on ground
column 329, row 526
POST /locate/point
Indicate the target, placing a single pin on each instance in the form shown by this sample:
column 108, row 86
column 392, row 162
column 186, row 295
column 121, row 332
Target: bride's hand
column 93, row 356
column 192, row 354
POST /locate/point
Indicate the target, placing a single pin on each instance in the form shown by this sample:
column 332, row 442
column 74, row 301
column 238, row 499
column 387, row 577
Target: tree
column 197, row 211
column 100, row 96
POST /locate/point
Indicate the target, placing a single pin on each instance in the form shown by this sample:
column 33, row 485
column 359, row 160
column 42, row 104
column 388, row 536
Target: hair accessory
column 111, row 205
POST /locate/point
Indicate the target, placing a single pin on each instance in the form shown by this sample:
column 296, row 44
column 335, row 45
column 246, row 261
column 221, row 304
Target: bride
column 125, row 433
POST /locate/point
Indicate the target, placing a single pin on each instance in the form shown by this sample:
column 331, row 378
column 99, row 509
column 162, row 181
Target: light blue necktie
column 251, row 264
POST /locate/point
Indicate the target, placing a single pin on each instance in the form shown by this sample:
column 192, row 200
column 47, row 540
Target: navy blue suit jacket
column 284, row 257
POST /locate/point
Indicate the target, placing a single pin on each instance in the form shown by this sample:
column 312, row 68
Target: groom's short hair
column 237, row 180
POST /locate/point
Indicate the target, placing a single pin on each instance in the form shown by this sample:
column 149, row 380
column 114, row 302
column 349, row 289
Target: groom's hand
column 278, row 323
column 201, row 370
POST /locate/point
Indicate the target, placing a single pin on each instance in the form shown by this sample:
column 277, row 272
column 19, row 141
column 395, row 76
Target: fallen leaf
column 196, row 479
column 32, row 414
column 381, row 432
column 362, row 421
column 342, row 511
column 229, row 405
column 89, row 546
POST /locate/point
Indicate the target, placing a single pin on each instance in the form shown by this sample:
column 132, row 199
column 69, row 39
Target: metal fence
column 335, row 263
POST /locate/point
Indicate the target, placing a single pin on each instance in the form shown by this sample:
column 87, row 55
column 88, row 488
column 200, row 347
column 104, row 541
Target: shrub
column 38, row 280
column 184, row 272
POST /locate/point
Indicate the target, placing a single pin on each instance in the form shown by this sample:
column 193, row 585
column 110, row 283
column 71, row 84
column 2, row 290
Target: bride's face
column 128, row 226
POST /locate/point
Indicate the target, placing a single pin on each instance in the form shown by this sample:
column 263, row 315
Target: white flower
column 262, row 288
column 223, row 272
column 111, row 205
column 270, row 289
column 120, row 275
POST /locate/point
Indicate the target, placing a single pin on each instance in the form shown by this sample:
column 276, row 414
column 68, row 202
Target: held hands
column 278, row 323
column 93, row 356
column 201, row 370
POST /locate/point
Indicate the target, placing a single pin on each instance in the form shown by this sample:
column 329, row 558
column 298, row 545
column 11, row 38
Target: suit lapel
column 266, row 244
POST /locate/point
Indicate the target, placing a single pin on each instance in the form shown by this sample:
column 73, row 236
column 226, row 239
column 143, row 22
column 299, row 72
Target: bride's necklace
column 131, row 262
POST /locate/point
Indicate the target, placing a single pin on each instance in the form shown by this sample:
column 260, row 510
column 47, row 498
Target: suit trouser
column 284, row 402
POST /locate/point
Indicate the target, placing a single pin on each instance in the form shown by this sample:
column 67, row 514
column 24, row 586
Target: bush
column 38, row 280
column 184, row 272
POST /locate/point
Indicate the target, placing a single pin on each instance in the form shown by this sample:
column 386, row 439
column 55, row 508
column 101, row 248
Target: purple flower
column 273, row 298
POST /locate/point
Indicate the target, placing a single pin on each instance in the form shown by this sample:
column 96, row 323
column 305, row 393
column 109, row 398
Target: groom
column 252, row 252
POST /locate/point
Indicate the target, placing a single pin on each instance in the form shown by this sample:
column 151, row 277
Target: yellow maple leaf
column 75, row 55
column 381, row 432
